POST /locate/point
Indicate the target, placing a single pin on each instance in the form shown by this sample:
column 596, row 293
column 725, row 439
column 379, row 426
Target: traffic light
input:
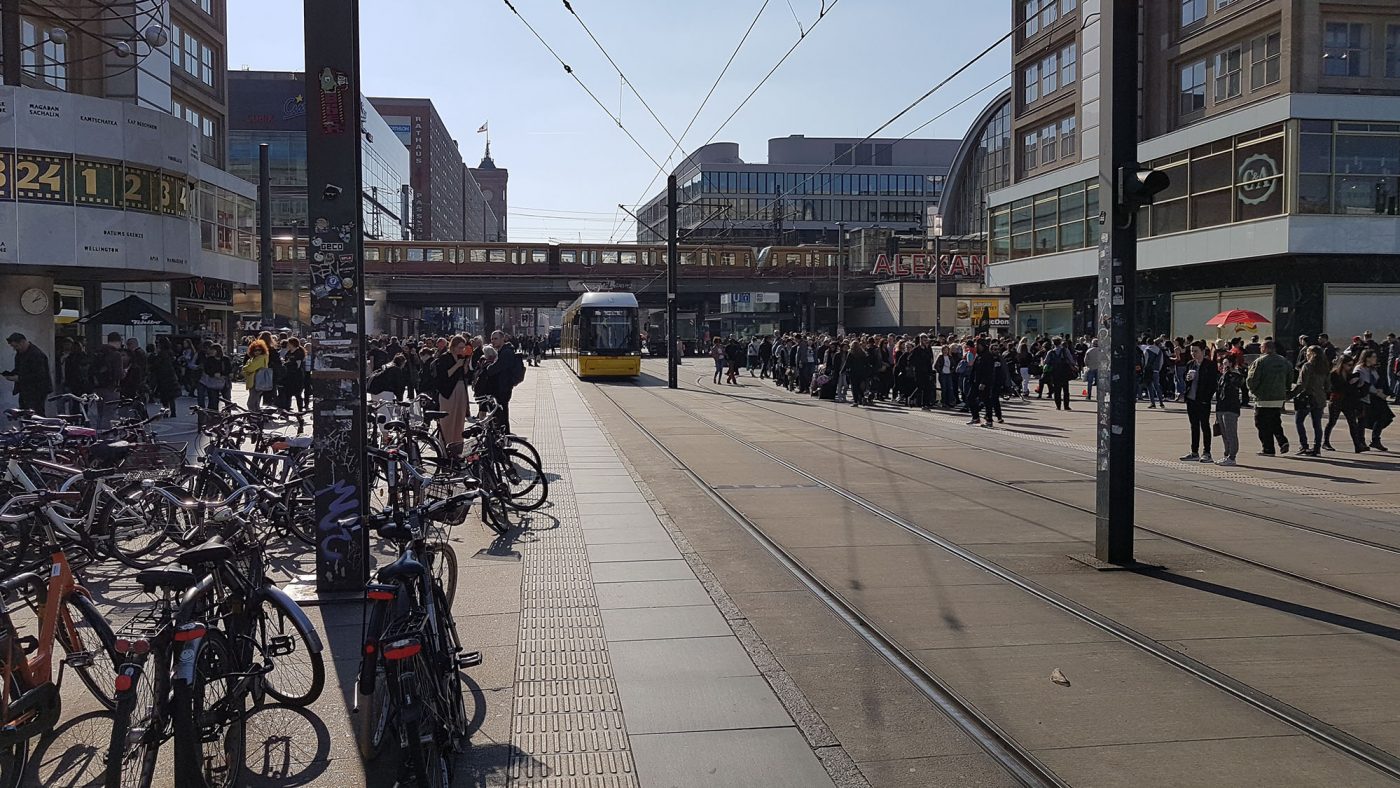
column 1138, row 186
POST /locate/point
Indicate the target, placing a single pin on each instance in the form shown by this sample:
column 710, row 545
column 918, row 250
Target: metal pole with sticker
column 336, row 263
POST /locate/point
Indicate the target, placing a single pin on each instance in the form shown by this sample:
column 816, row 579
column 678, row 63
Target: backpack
column 381, row 381
column 518, row 376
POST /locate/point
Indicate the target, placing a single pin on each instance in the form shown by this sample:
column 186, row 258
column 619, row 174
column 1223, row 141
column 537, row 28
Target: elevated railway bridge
column 403, row 278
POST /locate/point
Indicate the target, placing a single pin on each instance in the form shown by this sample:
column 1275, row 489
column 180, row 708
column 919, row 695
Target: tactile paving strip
column 567, row 728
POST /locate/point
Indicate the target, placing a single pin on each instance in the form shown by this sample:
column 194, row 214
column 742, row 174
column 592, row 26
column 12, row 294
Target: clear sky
column 570, row 165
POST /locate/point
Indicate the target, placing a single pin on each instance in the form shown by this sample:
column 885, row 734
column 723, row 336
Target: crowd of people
column 275, row 369
column 1213, row 380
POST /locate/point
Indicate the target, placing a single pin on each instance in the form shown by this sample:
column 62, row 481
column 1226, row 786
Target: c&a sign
column 955, row 266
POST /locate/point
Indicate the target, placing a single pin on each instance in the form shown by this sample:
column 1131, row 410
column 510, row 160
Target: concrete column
column 38, row 329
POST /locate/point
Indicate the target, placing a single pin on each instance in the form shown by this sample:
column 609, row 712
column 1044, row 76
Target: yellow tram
column 601, row 336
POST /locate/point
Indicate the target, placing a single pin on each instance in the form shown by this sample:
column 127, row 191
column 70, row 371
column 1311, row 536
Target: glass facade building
column 808, row 186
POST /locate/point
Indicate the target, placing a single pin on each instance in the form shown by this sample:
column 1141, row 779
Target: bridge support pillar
column 488, row 319
column 374, row 313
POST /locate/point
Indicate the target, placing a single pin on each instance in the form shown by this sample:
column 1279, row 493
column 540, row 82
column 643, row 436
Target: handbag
column 263, row 379
column 1381, row 415
column 1217, row 429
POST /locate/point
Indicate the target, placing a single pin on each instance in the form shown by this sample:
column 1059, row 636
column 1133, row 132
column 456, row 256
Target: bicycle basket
column 146, row 457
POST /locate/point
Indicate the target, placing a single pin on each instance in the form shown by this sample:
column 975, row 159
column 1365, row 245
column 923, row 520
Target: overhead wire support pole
column 672, row 284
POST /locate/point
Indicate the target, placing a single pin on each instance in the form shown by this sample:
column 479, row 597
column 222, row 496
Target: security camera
column 331, row 191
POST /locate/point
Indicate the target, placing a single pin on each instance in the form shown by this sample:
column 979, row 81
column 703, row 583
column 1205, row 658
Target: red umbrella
column 1233, row 316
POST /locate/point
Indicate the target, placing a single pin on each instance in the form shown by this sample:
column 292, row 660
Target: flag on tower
column 483, row 127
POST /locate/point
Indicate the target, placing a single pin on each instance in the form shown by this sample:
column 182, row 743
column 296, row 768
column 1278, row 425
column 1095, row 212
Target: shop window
column 1264, row 61
column 1192, row 94
column 1227, row 74
column 1346, row 49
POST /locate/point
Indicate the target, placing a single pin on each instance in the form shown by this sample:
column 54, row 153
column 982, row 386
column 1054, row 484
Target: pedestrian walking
column 987, row 382
column 717, row 353
column 108, row 367
column 734, row 357
column 293, row 375
column 1062, row 369
column 1092, row 358
column 751, row 354
column 1269, row 380
column 165, row 374
column 215, row 371
column 1202, row 377
column 1309, row 395
column 1376, row 414
column 30, row 374
column 507, row 372
column 857, row 368
column 1344, row 401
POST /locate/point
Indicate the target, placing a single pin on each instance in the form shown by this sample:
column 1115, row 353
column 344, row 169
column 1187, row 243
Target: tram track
column 1007, row 752
column 1384, row 604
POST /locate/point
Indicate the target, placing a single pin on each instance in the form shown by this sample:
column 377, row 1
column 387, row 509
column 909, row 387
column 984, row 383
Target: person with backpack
column 508, row 371
column 257, row 375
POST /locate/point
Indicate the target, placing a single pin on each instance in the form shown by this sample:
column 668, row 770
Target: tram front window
column 609, row 331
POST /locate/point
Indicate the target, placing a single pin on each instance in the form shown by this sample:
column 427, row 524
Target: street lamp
column 840, row 278
column 935, row 229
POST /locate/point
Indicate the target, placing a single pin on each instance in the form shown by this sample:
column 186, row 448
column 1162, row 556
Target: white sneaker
column 1226, row 461
column 1192, row 457
column 1206, row 457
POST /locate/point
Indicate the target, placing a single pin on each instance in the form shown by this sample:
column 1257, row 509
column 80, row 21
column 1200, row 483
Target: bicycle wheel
column 137, row 522
column 425, row 453
column 298, row 674
column 525, row 447
column 209, row 714
column 374, row 718
column 300, row 498
column 454, row 711
column 425, row 758
column 87, row 639
column 200, row 485
column 523, row 484
column 138, row 728
column 445, row 566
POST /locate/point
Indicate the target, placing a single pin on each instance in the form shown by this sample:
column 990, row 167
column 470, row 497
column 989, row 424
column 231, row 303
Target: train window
column 609, row 258
column 415, row 254
column 371, row 254
column 435, row 256
column 477, row 255
column 629, row 258
column 498, row 255
column 517, row 256
column 792, row 259
column 566, row 256
column 726, row 258
column 539, row 256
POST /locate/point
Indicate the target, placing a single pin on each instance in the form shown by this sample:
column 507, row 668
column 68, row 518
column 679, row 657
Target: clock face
column 487, row 194
column 34, row 301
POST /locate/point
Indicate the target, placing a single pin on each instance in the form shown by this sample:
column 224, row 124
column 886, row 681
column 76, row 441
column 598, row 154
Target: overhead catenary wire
column 569, row 7
column 570, row 71
column 926, row 95
column 708, row 94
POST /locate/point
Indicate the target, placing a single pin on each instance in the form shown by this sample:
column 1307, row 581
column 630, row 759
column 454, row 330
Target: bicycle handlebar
column 41, row 498
column 215, row 506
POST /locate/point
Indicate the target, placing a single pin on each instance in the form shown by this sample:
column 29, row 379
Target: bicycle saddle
column 396, row 424
column 405, row 566
column 394, row 532
column 213, row 551
column 105, row 455
column 434, row 415
column 170, row 577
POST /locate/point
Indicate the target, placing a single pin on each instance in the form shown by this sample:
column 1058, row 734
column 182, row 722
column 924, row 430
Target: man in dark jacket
column 507, row 372
column 30, row 374
column 107, row 368
column 921, row 359
column 986, row 381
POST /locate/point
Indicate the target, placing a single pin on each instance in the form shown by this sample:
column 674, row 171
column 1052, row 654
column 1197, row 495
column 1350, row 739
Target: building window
column 1263, row 61
column 1049, row 74
column 1219, row 4
column 1193, row 88
column 1049, row 149
column 1346, row 49
column 1392, row 51
column 1032, row 77
column 1192, row 11
column 1069, row 64
column 1227, row 74
column 1049, row 12
column 207, row 6
column 43, row 58
column 1031, row 9
column 1069, row 137
column 191, row 55
column 206, row 65
column 1029, row 160
column 1067, row 6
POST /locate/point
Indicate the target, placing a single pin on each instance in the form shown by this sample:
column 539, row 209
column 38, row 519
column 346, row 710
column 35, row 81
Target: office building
column 270, row 107
column 1278, row 122
column 124, row 132
column 808, row 187
column 443, row 186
